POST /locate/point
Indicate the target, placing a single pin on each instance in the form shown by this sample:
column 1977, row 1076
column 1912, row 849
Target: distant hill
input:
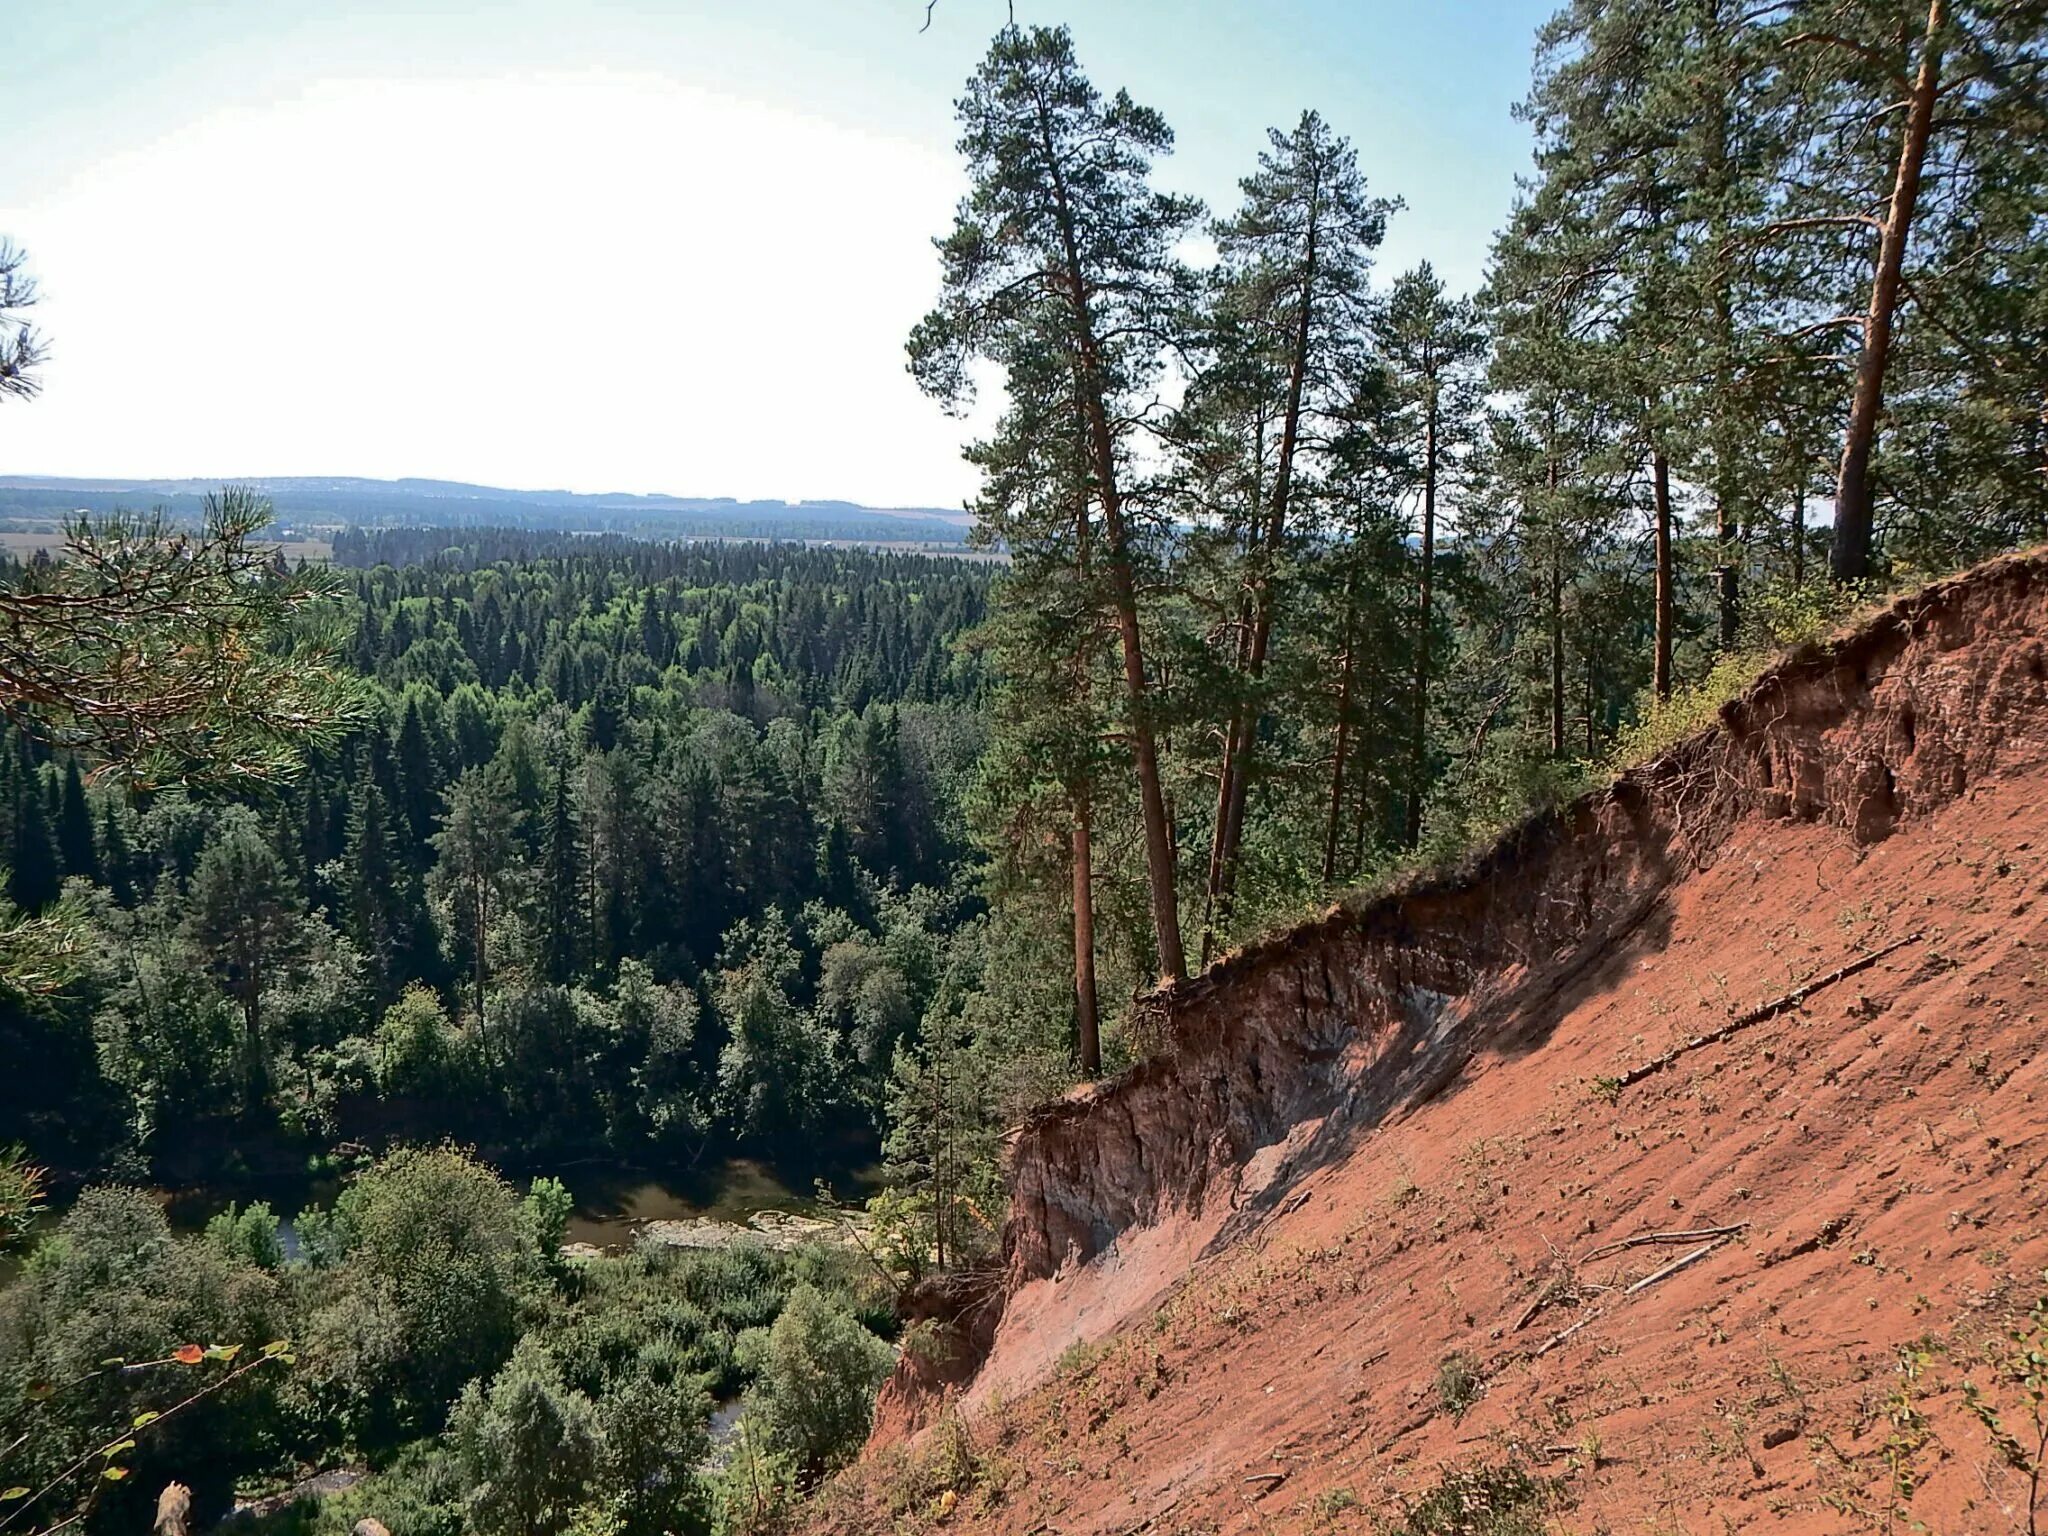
column 309, row 502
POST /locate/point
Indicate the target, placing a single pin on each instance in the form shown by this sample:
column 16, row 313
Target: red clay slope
column 1406, row 1136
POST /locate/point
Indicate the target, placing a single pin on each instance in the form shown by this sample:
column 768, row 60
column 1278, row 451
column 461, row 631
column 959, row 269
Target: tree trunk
column 1727, row 528
column 1853, row 501
column 1419, row 765
column 1226, row 774
column 1592, row 699
column 1084, row 937
column 1080, row 795
column 1358, row 774
column 1556, row 655
column 1214, row 885
column 1798, row 530
column 1262, row 614
column 1556, row 615
column 1336, row 818
column 1159, row 849
column 1660, row 480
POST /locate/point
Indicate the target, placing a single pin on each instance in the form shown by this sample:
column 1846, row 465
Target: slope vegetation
column 1673, row 1167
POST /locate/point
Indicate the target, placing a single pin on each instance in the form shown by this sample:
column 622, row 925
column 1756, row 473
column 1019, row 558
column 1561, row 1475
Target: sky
column 614, row 245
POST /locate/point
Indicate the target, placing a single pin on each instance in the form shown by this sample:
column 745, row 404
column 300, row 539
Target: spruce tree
column 117, row 860
column 243, row 917
column 74, row 827
column 34, row 874
column 561, row 877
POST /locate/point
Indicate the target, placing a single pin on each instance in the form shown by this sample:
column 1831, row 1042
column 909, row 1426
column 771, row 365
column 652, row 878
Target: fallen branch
column 1558, row 1338
column 1552, row 1290
column 1685, row 1261
column 1662, row 1237
column 1758, row 1015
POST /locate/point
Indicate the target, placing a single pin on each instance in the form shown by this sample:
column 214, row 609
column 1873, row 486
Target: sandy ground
column 1754, row 1290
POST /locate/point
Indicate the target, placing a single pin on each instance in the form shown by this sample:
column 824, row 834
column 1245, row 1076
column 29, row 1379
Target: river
column 612, row 1204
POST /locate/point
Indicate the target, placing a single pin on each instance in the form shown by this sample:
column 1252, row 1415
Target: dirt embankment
column 1403, row 1190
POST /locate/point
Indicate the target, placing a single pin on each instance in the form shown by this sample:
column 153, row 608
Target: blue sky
column 630, row 246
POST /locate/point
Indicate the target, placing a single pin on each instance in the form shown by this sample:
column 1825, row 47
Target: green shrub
column 816, row 1372
column 1477, row 1501
column 529, row 1447
column 1458, row 1383
column 437, row 1262
column 249, row 1234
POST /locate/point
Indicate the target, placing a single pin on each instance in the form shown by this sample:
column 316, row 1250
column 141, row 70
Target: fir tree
column 561, row 877
column 34, row 874
column 74, row 827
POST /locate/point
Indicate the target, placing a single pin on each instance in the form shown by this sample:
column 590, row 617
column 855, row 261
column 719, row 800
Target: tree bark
column 1084, row 938
column 1418, row 767
column 1232, row 730
column 1334, row 828
column 1159, row 849
column 1660, row 481
column 1727, row 529
column 1798, row 530
column 1556, row 617
column 1372, row 684
column 1262, row 614
column 1853, row 500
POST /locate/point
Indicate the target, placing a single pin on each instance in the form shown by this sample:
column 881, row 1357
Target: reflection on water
column 612, row 1206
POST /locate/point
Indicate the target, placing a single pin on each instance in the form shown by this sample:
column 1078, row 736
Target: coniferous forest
column 1305, row 574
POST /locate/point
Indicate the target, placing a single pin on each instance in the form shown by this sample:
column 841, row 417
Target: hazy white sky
column 626, row 246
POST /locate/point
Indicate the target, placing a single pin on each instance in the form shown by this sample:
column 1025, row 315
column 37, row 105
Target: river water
column 612, row 1204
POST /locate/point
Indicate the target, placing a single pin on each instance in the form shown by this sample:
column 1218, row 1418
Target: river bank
column 709, row 1206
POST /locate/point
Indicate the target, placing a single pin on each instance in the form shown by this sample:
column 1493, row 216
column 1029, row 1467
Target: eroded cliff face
column 1274, row 1061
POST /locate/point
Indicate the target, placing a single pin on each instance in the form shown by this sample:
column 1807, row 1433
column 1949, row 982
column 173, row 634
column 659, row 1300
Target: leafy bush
column 438, row 1260
column 113, row 1283
column 21, row 1195
column 529, row 1447
column 249, row 1234
column 816, row 1374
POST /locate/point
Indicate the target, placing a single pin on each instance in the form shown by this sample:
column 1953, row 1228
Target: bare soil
column 1684, row 1155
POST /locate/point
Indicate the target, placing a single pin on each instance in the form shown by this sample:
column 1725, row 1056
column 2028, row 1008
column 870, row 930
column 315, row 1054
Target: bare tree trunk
column 1084, row 937
column 1727, row 492
column 1853, row 500
column 1727, row 531
column 1592, row 700
column 1080, row 795
column 1336, row 818
column 1798, row 528
column 1556, row 655
column 1419, row 765
column 1262, row 616
column 1372, row 683
column 1214, row 884
column 1660, row 481
column 1233, row 732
